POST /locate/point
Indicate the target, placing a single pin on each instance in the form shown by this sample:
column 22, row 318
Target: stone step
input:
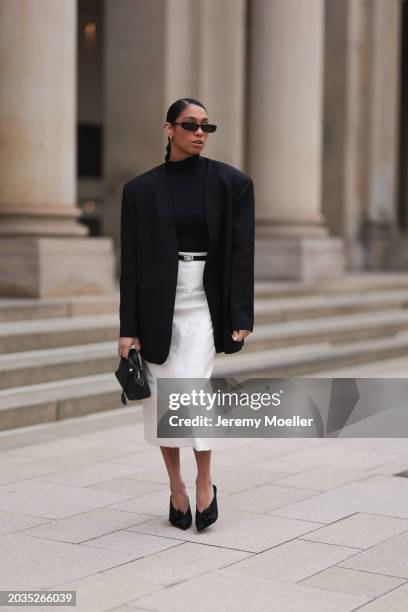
column 61, row 363
column 46, row 365
column 52, row 401
column 309, row 358
column 337, row 330
column 352, row 282
column 316, row 306
column 20, row 309
column 19, row 336
column 63, row 399
column 23, row 309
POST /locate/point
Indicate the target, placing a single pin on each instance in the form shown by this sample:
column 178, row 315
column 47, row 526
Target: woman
column 187, row 281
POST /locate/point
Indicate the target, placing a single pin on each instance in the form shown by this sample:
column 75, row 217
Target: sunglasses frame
column 196, row 126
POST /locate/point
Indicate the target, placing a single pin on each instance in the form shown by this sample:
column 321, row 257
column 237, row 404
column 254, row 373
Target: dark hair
column 174, row 111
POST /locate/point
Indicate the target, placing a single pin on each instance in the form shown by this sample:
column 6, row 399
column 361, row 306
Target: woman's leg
column 204, row 492
column 179, row 496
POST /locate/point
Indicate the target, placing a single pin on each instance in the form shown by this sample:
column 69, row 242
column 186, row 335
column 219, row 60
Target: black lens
column 191, row 127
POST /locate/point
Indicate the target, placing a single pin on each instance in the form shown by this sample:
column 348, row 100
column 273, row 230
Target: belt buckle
column 188, row 257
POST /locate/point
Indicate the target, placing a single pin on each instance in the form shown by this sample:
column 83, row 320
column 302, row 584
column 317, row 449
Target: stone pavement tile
column 57, row 447
column 238, row 457
column 147, row 459
column 389, row 558
column 327, row 455
column 364, row 496
column 225, row 477
column 127, row 541
column 244, row 531
column 119, row 585
column 156, row 503
column 222, row 444
column 87, row 525
column 92, row 455
column 265, row 498
column 228, row 589
column 129, row 486
column 125, row 445
column 39, row 467
column 33, row 563
column 262, row 450
column 322, row 478
column 113, row 436
column 398, row 482
column 361, row 530
column 390, row 468
column 11, row 522
column 157, row 474
column 88, row 475
column 397, row 445
column 16, row 452
column 344, row 580
column 293, row 561
column 231, row 479
column 128, row 609
column 385, row 444
column 49, row 500
column 9, row 459
column 394, row 601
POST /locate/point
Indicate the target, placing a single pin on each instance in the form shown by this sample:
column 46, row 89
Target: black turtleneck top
column 186, row 179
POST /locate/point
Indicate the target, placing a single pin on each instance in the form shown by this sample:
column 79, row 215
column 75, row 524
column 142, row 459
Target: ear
column 168, row 128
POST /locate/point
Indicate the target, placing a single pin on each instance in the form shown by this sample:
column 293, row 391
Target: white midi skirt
column 192, row 350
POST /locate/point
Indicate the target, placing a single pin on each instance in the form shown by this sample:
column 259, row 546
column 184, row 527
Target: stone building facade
column 311, row 100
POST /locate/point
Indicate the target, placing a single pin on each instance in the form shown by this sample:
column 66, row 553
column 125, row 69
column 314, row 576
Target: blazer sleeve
column 129, row 325
column 242, row 259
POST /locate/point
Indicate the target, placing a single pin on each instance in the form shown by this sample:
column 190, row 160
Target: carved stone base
column 387, row 253
column 47, row 266
column 303, row 259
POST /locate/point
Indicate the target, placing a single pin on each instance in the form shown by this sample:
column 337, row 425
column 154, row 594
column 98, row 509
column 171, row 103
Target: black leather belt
column 192, row 257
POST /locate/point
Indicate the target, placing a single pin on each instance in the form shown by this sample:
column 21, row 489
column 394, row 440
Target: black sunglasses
column 193, row 127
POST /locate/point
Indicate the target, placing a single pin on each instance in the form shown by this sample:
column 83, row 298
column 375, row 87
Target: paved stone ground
column 304, row 524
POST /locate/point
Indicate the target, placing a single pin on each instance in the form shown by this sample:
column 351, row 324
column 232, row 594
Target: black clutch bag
column 132, row 378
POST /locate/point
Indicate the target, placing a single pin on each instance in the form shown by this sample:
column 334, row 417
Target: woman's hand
column 239, row 334
column 125, row 344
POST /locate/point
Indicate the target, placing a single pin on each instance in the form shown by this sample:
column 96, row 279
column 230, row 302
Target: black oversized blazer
column 149, row 258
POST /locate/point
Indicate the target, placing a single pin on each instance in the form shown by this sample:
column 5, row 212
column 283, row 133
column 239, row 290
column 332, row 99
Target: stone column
column 134, row 80
column 157, row 52
column 44, row 250
column 219, row 32
column 345, row 129
column 385, row 249
column 284, row 120
column 403, row 128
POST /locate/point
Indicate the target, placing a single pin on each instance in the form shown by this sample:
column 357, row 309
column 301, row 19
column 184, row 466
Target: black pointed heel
column 209, row 515
column 180, row 519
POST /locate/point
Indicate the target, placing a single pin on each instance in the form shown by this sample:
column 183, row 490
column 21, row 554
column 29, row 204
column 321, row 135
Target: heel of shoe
column 209, row 515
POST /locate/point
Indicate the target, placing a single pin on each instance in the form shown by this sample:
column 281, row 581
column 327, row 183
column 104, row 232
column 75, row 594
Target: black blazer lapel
column 213, row 206
column 164, row 209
